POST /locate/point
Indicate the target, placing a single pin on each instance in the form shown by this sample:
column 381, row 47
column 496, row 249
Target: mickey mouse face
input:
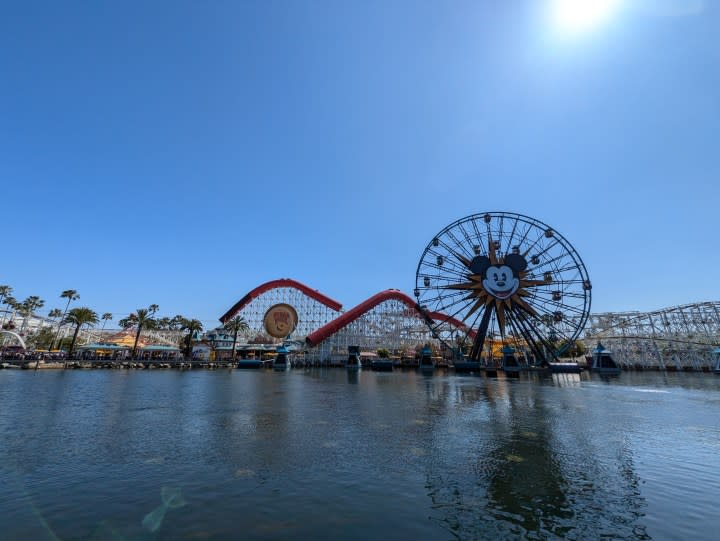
column 500, row 281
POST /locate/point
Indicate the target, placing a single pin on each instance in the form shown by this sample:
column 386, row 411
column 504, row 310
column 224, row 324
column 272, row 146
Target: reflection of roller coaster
column 389, row 319
column 681, row 337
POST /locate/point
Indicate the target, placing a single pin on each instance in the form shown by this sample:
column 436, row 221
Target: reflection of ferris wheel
column 511, row 280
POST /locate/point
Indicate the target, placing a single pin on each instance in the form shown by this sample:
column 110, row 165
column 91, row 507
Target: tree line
column 79, row 317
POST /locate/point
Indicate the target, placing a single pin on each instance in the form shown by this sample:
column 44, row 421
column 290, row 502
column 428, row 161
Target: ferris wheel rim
column 568, row 251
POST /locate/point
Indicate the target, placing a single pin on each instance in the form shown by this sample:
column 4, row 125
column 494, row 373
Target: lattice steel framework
column 312, row 314
column 678, row 337
column 391, row 324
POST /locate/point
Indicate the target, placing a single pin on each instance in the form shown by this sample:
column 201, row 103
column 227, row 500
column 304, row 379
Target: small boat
column 510, row 364
column 565, row 368
column 382, row 365
column 10, row 366
column 280, row 362
column 249, row 363
column 353, row 361
column 466, row 367
column 602, row 361
column 716, row 358
column 426, row 363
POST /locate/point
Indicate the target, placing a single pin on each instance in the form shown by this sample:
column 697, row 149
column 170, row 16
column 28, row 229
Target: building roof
column 104, row 346
column 156, row 347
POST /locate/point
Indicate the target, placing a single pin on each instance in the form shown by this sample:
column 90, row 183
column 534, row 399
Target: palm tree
column 163, row 324
column 176, row 323
column 28, row 306
column 80, row 317
column 107, row 316
column 54, row 314
column 143, row 317
column 70, row 295
column 236, row 325
column 5, row 292
column 14, row 305
column 192, row 326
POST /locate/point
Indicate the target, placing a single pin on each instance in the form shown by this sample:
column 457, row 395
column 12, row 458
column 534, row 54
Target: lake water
column 325, row 454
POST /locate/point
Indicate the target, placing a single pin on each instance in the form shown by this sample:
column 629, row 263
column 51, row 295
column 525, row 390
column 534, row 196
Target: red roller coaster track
column 275, row 284
column 351, row 315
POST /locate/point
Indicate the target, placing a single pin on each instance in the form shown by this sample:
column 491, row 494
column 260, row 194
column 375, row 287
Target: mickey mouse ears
column 481, row 263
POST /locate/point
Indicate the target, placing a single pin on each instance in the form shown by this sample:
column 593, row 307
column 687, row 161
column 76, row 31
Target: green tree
column 572, row 349
column 192, row 326
column 176, row 323
column 5, row 295
column 235, row 326
column 80, row 317
column 5, row 292
column 383, row 353
column 42, row 339
column 14, row 305
column 142, row 318
column 28, row 306
column 70, row 295
column 163, row 324
column 55, row 314
column 107, row 316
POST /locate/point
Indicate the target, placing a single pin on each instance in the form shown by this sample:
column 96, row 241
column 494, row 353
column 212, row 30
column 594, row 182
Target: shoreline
column 225, row 365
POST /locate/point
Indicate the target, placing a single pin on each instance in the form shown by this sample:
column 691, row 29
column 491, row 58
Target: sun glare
column 579, row 15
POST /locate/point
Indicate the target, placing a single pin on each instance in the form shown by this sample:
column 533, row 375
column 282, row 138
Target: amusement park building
column 674, row 338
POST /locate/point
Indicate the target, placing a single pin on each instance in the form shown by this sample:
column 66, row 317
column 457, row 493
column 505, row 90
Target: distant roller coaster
column 676, row 338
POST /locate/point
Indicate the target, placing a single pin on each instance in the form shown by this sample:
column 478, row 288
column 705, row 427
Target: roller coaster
column 676, row 338
column 390, row 319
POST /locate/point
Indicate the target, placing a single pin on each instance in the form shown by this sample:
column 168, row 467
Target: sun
column 581, row 15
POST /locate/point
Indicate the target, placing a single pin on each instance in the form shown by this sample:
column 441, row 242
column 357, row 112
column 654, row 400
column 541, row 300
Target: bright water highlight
column 326, row 454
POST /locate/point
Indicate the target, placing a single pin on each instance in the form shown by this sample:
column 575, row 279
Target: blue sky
column 181, row 153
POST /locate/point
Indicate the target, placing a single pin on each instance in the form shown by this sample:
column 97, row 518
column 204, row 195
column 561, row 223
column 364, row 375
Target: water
column 328, row 454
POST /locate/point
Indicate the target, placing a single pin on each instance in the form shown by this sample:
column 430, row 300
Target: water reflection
column 518, row 478
column 356, row 455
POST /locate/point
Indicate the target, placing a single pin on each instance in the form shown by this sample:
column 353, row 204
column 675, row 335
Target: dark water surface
column 331, row 455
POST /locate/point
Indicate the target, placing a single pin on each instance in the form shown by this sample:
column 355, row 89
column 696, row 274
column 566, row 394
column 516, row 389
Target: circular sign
column 280, row 320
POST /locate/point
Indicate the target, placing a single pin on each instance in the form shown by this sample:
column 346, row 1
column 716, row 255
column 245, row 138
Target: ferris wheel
column 509, row 281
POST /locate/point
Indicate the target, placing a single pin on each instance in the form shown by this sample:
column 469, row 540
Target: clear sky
column 181, row 153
